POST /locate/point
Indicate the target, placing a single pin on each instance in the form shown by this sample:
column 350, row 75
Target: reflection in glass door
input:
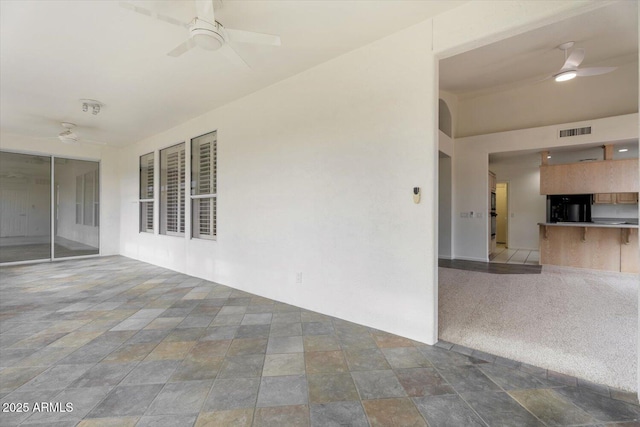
column 25, row 207
column 76, row 222
column 27, row 228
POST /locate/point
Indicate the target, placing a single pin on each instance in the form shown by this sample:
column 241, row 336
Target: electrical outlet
column 478, row 214
column 464, row 214
column 299, row 278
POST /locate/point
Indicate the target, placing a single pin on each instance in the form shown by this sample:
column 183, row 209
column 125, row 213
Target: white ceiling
column 608, row 34
column 54, row 53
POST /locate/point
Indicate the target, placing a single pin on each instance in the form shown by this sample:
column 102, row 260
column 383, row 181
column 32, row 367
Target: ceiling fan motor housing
column 206, row 35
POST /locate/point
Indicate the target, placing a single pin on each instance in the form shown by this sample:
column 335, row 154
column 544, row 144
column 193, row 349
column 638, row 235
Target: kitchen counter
column 598, row 245
column 602, row 224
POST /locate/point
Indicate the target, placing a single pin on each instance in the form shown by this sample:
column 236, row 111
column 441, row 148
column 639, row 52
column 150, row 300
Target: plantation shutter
column 173, row 191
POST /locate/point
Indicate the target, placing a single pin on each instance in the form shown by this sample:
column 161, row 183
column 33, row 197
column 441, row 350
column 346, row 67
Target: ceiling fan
column 570, row 68
column 68, row 136
column 207, row 33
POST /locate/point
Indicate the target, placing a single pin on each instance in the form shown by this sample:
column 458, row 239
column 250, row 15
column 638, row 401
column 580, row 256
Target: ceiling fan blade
column 153, row 14
column 241, row 36
column 233, row 57
column 572, row 62
column 594, row 71
column 204, row 10
column 182, row 48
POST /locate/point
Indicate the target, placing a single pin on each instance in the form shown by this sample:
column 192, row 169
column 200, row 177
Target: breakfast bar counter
column 598, row 245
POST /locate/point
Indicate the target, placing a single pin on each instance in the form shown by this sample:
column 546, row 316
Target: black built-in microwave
column 569, row 208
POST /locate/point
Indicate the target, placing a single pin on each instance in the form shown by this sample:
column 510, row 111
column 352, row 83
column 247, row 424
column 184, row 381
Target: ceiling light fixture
column 68, row 136
column 93, row 104
column 623, row 150
column 565, row 75
column 205, row 35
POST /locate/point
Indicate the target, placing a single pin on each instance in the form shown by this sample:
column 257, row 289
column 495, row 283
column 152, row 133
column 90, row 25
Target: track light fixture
column 93, row 104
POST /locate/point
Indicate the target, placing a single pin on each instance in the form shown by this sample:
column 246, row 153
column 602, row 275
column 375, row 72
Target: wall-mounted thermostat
column 416, row 195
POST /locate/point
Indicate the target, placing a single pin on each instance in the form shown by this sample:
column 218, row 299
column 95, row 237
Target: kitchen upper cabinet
column 627, row 198
column 608, row 176
column 604, row 198
column 615, row 198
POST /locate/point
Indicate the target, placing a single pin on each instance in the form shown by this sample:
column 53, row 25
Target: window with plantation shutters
column 172, row 189
column 147, row 169
column 204, row 186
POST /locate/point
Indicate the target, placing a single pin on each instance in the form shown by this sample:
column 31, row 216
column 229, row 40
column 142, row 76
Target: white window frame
column 204, row 192
column 146, row 195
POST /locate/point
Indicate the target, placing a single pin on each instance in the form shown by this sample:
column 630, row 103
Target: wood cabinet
column 598, row 248
column 607, row 176
column 604, row 198
column 630, row 252
column 627, row 198
column 615, row 198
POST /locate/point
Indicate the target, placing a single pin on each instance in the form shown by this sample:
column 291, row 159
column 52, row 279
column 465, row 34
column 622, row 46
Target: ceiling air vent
column 575, row 132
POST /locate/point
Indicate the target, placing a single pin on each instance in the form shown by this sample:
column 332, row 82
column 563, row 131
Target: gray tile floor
column 116, row 342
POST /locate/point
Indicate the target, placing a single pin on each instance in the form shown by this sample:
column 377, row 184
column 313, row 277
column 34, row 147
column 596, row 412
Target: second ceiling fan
column 570, row 68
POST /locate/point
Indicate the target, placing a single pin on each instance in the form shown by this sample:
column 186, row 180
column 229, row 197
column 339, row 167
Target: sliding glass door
column 43, row 219
column 25, row 207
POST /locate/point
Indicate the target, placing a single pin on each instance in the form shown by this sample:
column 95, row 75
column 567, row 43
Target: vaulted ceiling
column 608, row 34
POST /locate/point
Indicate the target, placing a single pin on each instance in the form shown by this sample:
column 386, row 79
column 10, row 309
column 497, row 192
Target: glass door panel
column 76, row 208
column 25, row 207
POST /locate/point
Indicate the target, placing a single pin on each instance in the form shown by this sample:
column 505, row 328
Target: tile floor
column 125, row 343
column 514, row 256
column 490, row 267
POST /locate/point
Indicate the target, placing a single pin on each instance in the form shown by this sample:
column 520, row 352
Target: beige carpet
column 578, row 322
